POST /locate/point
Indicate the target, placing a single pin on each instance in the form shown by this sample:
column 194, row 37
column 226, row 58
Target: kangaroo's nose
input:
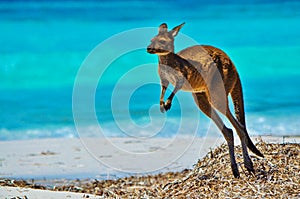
column 149, row 49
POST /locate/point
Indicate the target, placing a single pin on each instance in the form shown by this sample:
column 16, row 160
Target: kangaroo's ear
column 176, row 29
column 163, row 28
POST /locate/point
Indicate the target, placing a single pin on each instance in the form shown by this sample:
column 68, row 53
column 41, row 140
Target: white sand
column 70, row 159
column 20, row 193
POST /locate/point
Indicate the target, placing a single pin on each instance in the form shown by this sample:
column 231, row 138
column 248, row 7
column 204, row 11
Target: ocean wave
column 257, row 125
column 37, row 133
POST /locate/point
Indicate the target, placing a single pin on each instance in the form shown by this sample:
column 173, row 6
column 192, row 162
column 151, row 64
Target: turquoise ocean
column 44, row 43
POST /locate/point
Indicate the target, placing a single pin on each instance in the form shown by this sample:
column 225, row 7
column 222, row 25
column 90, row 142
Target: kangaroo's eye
column 162, row 42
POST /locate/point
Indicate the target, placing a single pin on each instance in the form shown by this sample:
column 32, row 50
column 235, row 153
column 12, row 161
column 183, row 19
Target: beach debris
column 276, row 176
column 42, row 153
column 48, row 153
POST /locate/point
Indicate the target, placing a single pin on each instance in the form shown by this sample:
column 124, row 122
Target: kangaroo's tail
column 252, row 147
column 238, row 101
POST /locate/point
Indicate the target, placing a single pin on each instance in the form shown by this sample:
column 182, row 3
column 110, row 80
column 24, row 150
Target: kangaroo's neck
column 167, row 59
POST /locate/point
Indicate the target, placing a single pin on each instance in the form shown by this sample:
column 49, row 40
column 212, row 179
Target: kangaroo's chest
column 170, row 74
column 191, row 80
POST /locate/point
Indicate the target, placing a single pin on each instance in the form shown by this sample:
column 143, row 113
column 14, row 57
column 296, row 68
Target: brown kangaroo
column 211, row 76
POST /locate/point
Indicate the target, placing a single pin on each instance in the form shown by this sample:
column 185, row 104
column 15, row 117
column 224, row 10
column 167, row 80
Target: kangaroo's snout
column 150, row 49
column 155, row 48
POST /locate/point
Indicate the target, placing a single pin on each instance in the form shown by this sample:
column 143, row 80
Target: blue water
column 43, row 44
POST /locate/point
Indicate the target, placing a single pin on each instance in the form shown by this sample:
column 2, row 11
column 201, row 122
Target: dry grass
column 277, row 176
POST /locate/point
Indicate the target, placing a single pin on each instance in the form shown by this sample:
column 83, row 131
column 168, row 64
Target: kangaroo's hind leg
column 238, row 102
column 243, row 137
column 205, row 106
column 237, row 98
column 219, row 100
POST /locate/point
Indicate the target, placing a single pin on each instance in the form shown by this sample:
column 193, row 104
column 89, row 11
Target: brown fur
column 211, row 76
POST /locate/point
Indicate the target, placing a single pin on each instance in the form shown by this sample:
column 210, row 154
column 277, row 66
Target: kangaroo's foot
column 235, row 170
column 248, row 164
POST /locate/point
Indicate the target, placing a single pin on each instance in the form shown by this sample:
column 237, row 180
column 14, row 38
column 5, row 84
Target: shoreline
column 67, row 158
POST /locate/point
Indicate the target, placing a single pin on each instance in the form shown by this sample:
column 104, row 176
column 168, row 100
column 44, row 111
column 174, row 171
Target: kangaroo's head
column 163, row 42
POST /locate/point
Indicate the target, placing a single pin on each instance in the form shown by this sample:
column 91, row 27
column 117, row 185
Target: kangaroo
column 211, row 76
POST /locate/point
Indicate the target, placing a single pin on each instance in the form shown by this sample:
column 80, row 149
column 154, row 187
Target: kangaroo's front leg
column 168, row 103
column 164, row 85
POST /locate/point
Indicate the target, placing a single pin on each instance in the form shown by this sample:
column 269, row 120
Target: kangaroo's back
column 206, row 58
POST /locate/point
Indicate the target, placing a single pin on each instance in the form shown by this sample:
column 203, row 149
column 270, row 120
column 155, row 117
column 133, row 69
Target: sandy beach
column 26, row 193
column 100, row 158
column 59, row 162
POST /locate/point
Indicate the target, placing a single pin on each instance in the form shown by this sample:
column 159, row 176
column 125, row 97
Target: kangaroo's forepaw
column 162, row 108
column 167, row 105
